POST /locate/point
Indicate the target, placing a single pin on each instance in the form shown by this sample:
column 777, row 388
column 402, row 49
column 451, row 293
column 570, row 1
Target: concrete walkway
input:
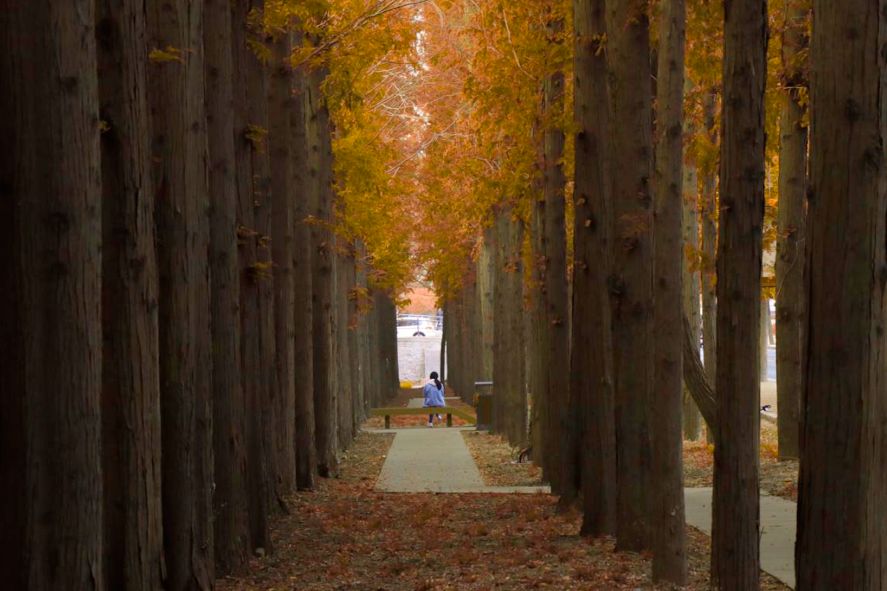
column 436, row 460
column 777, row 530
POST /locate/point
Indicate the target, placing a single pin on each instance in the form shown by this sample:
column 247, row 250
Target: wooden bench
column 462, row 413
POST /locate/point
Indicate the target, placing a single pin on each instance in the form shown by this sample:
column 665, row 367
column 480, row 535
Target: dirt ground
column 347, row 536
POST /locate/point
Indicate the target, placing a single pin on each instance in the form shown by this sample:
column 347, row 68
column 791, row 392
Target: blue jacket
column 433, row 396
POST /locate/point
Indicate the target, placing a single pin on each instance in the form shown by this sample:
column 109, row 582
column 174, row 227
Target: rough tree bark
column 303, row 370
column 230, row 499
column 250, row 276
column 508, row 357
column 51, row 345
column 631, row 279
column 550, row 268
column 258, row 82
column 592, row 388
column 133, row 527
column 842, row 533
column 791, row 218
column 280, row 111
column 320, row 173
column 735, row 559
column 176, row 95
column 667, row 506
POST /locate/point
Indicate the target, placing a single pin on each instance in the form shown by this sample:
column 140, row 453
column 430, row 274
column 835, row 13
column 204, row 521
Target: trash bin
column 483, row 404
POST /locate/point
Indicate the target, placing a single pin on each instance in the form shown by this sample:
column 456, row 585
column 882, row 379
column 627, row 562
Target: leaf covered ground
column 497, row 461
column 346, row 536
column 778, row 478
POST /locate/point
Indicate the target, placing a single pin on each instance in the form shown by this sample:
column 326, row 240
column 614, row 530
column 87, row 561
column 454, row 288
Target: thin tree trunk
column 342, row 286
column 667, row 507
column 250, row 276
column 306, row 454
column 51, row 361
column 708, row 214
column 691, row 287
column 842, row 533
column 176, row 93
column 791, row 222
column 321, row 271
column 735, row 559
column 485, row 285
column 631, row 280
column 133, row 527
column 280, row 108
column 592, row 388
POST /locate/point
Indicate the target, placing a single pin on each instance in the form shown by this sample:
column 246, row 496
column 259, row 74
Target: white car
column 416, row 326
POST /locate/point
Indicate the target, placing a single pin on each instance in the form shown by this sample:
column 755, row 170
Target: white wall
column 417, row 357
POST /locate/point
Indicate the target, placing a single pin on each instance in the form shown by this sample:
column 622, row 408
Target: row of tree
column 188, row 334
column 611, row 317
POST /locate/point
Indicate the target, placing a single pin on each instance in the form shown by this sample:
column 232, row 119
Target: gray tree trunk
column 631, row 279
column 667, row 506
column 735, row 559
column 791, row 222
column 592, row 388
column 842, row 533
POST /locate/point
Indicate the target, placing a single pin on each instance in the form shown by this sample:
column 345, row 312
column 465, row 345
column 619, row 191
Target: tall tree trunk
column 631, row 279
column 691, row 287
column 842, row 533
column 389, row 380
column 592, row 388
column 552, row 328
column 667, row 507
column 318, row 127
column 735, row 559
column 51, row 346
column 508, row 360
column 280, row 108
column 791, row 222
column 708, row 215
column 258, row 82
column 251, row 275
column 444, row 341
column 303, row 369
column 176, row 95
column 133, row 527
column 485, row 287
column 342, row 286
column 230, row 497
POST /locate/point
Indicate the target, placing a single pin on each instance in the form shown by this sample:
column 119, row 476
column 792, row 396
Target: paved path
column 436, row 460
column 777, row 530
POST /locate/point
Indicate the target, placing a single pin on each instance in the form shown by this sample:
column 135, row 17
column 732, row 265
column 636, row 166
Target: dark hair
column 437, row 383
